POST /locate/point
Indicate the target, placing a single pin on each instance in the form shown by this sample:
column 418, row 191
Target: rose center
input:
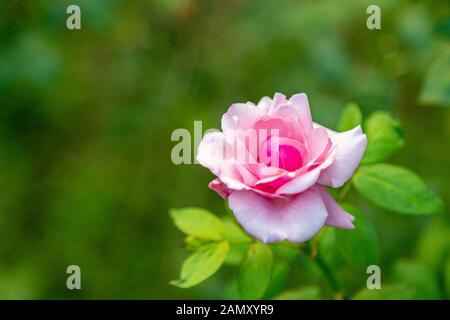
column 289, row 158
column 284, row 153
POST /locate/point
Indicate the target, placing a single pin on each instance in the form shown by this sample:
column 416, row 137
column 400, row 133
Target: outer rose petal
column 300, row 102
column 241, row 116
column 216, row 154
column 349, row 147
column 265, row 104
column 317, row 140
column 278, row 100
column 219, row 187
column 211, row 152
column 337, row 217
column 300, row 183
column 296, row 220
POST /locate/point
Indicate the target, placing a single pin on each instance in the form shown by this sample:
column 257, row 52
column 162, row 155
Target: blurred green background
column 86, row 117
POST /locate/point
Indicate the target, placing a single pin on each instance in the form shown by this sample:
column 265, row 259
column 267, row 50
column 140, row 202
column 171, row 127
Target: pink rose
column 273, row 163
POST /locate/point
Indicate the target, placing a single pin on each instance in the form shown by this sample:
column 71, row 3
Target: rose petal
column 278, row 100
column 284, row 153
column 263, row 171
column 337, row 217
column 318, row 140
column 308, row 175
column 248, row 178
column 349, row 147
column 275, row 126
column 216, row 154
column 296, row 220
column 236, row 184
column 300, row 102
column 297, row 109
column 300, row 183
column 211, row 151
column 265, row 104
column 271, row 184
column 219, row 187
column 241, row 116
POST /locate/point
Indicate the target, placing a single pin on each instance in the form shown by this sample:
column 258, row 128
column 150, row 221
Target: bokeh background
column 86, row 117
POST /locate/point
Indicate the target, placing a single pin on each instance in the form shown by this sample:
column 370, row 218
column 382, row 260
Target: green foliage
column 360, row 246
column 436, row 90
column 210, row 238
column 350, row 117
column 397, row 189
column 279, row 278
column 255, row 271
column 303, row 293
column 202, row 264
column 236, row 254
column 234, row 233
column 197, row 222
column 192, row 242
column 329, row 249
column 447, row 277
column 384, row 137
column 436, row 236
column 421, row 280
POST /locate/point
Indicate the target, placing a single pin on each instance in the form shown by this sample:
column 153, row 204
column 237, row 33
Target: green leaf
column 198, row 222
column 192, row 242
column 280, row 275
column 284, row 250
column 202, row 264
column 436, row 90
column 351, row 117
column 397, row 189
column 236, row 254
column 447, row 277
column 420, row 279
column 328, row 249
column 384, row 137
column 437, row 236
column 304, row 293
column 359, row 246
column 301, row 260
column 234, row 233
column 387, row 292
column 255, row 271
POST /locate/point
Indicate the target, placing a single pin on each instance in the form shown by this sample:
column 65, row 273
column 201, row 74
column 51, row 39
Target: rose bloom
column 273, row 163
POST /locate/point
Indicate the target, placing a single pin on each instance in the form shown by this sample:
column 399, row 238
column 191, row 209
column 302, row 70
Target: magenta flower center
column 287, row 154
column 289, row 158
